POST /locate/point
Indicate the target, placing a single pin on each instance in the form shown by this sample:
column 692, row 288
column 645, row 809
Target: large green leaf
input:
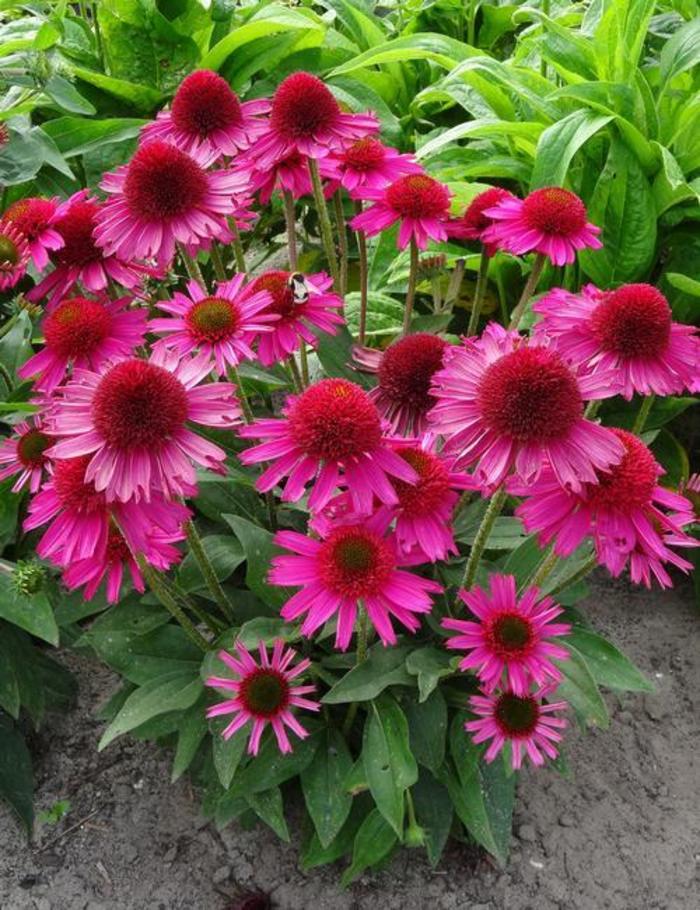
column 580, row 690
column 475, row 129
column 270, row 767
column 608, row 666
column 192, row 729
column 269, row 807
column 30, row 612
column 141, row 97
column 427, row 725
column 225, row 554
column 77, row 136
column 322, row 784
column 682, row 51
column 434, row 813
column 16, row 778
column 258, row 548
column 441, row 49
column 383, row 667
column 228, row 753
column 373, row 841
column 429, row 665
column 559, row 143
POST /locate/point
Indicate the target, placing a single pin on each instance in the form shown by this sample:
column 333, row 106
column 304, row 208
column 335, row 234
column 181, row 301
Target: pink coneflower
column 14, row 254
column 369, row 164
column 295, row 320
column 551, row 221
column 223, row 324
column 162, row 197
column 306, row 118
column 508, row 402
column 79, row 259
column 290, row 173
column 623, row 512
column 404, row 373
column 355, row 562
column 526, row 722
column 263, row 693
column 23, row 454
column 84, row 334
column 512, row 637
column 331, row 433
column 207, row 116
column 35, row 218
column 629, row 330
column 474, row 222
column 421, row 204
column 132, row 418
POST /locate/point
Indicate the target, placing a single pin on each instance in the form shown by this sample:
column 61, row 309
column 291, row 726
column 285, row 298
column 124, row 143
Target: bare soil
column 623, row 832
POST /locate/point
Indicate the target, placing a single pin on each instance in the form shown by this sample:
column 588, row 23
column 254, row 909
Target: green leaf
column 16, row 778
column 383, row 667
column 684, row 283
column 140, row 97
column 384, row 314
column 479, row 128
column 523, row 561
column 609, row 667
column 192, row 729
column 681, row 52
column 76, row 136
column 228, row 752
column 356, row 780
column 259, row 549
column 430, row 665
column 672, row 457
column 32, row 613
column 322, row 784
column 670, row 187
column 170, row 692
column 441, row 49
column 388, row 760
column 434, row 813
column 269, row 807
column 580, row 690
column 67, row 97
column 316, row 855
column 266, row 629
column 335, row 354
column 270, row 767
column 427, row 725
column 373, row 841
column 559, row 143
column 225, row 554
column 9, row 688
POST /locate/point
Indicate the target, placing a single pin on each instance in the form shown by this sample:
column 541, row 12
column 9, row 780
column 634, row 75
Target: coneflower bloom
column 474, row 222
column 132, row 419
column 527, row 722
column 331, row 434
column 355, row 562
column 23, row 453
column 369, row 164
column 84, row 334
column 79, row 259
column 162, row 197
column 223, row 324
column 404, row 374
column 207, row 116
column 510, row 645
column 295, row 320
column 263, row 693
column 511, row 403
column 551, row 221
column 35, row 217
column 14, row 254
column 630, row 330
column 419, row 203
column 306, row 118
column 290, row 173
column 624, row 512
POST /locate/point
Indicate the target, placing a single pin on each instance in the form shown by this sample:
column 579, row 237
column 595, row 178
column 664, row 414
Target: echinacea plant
column 346, row 567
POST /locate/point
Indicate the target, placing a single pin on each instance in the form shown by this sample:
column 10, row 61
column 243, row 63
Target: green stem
column 543, row 571
column 208, row 572
column 215, row 625
column 528, row 290
column 297, row 381
column 360, row 656
column 454, row 287
column 324, row 221
column 579, row 574
column 290, row 221
column 364, row 277
column 304, row 364
column 271, row 510
column 98, row 37
column 4, row 329
column 342, row 242
column 479, row 293
column 193, row 269
column 238, row 253
column 482, row 536
column 593, row 408
column 217, row 262
column 411, row 291
column 5, row 373
column 643, row 414
column 160, row 589
column 245, row 405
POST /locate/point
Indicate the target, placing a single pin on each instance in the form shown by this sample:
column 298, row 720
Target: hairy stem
column 218, row 263
column 643, row 415
column 360, row 656
column 342, row 242
column 159, row 587
column 479, row 293
column 324, row 221
column 411, row 291
column 193, row 269
column 528, row 290
column 482, row 536
column 290, row 221
column 578, row 575
column 208, row 572
column 238, row 253
column 364, row 277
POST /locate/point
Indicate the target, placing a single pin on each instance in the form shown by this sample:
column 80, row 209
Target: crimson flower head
column 419, row 203
column 207, row 116
column 34, row 217
column 14, row 254
column 551, row 221
column 630, row 330
column 369, row 164
column 474, row 221
column 23, row 453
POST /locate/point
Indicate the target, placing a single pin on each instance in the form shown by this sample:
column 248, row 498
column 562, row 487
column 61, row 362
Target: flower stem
column 342, row 242
column 364, row 277
column 479, row 293
column 543, row 571
column 454, row 286
column 157, row 584
column 324, row 221
column 360, row 656
column 643, row 415
column 482, row 536
column 411, row 291
column 245, row 406
column 290, row 221
column 208, row 572
column 218, row 263
column 192, row 266
column 304, row 364
column 297, row 381
column 578, row 575
column 528, row 290
column 238, row 253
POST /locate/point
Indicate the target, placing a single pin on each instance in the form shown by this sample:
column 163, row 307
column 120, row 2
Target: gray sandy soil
column 622, row 833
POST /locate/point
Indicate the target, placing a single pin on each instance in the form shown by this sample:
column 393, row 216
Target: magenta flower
column 511, row 403
column 511, row 638
column 23, row 453
column 14, row 254
column 263, row 693
column 474, row 222
column 35, row 217
column 290, row 173
column 84, row 334
column 162, row 197
column 527, row 722
column 623, row 512
column 369, row 164
column 404, row 373
column 294, row 321
column 79, row 259
column 207, row 117
column 331, row 434
column 551, row 221
column 132, row 419
column 356, row 562
column 421, row 204
column 629, row 330
column 223, row 324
